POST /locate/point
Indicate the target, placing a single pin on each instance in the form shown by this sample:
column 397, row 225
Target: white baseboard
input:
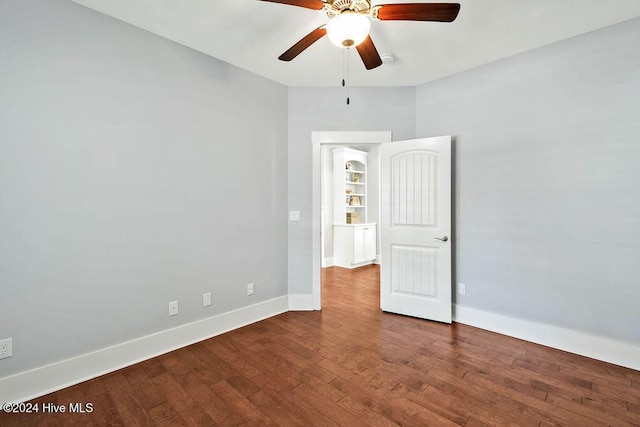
column 47, row 379
column 301, row 302
column 593, row 346
column 327, row 262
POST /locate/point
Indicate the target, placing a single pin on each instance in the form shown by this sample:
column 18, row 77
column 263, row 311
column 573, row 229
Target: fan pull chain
column 343, row 54
column 345, row 81
column 348, row 73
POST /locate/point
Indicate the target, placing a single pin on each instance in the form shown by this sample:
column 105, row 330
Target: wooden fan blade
column 369, row 54
column 440, row 12
column 306, row 41
column 309, row 4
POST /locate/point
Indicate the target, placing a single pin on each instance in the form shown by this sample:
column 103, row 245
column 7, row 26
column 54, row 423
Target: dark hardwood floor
column 353, row 365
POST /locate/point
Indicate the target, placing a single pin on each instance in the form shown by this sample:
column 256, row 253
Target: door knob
column 442, row 239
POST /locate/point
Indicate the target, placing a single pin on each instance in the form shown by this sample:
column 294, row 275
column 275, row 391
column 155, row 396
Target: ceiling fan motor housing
column 336, row 7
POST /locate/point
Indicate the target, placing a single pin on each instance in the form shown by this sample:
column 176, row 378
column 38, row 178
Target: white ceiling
column 252, row 34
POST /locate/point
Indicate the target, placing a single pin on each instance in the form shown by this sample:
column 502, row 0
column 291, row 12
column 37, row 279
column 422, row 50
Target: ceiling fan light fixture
column 348, row 29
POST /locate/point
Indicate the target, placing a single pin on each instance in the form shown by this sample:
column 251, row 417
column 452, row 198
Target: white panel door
column 415, row 227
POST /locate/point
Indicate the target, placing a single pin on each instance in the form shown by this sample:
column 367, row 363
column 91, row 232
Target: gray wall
column 547, row 178
column 324, row 109
column 133, row 172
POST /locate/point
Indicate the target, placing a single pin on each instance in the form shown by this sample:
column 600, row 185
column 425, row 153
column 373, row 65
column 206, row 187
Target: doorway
column 414, row 188
column 322, row 142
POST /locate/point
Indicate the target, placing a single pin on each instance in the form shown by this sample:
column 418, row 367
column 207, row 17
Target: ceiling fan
column 349, row 23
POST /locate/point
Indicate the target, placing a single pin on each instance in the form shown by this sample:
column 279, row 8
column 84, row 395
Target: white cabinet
column 364, row 243
column 354, row 245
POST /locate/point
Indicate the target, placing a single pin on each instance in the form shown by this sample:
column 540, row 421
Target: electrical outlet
column 173, row 308
column 251, row 288
column 6, row 348
column 206, row 299
column 462, row 289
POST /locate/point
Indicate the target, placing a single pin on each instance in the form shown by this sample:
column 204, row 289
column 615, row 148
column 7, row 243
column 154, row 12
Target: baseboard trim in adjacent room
column 301, row 302
column 327, row 262
column 47, row 379
column 593, row 346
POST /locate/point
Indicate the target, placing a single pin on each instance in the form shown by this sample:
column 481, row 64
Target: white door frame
column 317, row 139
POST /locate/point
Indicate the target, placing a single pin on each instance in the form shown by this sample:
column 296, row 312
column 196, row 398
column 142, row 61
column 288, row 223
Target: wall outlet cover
column 173, row 308
column 6, row 348
column 206, row 299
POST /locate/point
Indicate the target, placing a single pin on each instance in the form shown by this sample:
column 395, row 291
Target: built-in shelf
column 349, row 174
column 354, row 240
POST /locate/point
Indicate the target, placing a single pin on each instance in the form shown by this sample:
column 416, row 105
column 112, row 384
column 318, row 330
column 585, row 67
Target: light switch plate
column 294, row 215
